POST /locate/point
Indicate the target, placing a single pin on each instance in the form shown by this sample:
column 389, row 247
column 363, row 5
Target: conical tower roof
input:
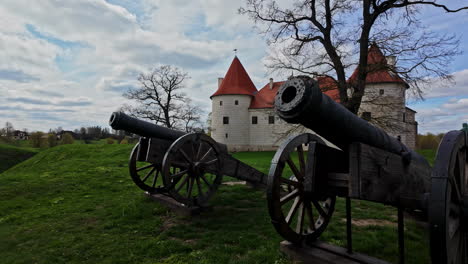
column 379, row 71
column 236, row 81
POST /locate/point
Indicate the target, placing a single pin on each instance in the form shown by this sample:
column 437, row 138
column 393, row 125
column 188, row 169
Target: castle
column 243, row 117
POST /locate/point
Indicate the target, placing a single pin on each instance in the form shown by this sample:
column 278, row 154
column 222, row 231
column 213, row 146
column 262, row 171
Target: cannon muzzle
column 300, row 100
column 121, row 121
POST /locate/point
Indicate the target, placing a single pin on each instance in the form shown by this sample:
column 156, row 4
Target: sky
column 67, row 63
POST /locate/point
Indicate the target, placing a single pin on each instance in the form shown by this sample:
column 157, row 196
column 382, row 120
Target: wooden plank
column 157, row 149
column 177, row 207
column 323, row 253
column 239, row 170
column 384, row 177
column 354, row 181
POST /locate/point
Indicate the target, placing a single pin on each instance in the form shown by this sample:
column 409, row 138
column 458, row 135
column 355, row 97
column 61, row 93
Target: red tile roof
column 265, row 97
column 236, row 81
column 380, row 74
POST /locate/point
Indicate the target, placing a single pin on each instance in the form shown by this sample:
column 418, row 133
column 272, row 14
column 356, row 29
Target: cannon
column 363, row 162
column 187, row 167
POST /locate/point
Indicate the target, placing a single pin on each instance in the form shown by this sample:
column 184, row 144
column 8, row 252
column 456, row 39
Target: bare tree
column 9, row 130
column 160, row 99
column 327, row 37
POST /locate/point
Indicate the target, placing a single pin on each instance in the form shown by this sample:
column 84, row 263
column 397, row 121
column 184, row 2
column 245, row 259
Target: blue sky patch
column 17, row 75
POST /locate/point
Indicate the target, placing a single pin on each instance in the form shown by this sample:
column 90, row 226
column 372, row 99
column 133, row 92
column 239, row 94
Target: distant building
column 63, row 132
column 20, row 135
column 243, row 117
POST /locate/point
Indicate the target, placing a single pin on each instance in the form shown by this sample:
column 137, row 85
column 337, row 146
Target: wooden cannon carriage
column 191, row 165
column 368, row 165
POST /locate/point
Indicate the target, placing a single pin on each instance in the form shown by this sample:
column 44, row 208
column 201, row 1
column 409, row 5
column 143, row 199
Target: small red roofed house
column 243, row 117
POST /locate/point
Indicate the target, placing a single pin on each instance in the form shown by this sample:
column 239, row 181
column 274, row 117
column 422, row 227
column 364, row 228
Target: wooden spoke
column 155, row 178
column 199, row 150
column 289, row 182
column 186, row 157
column 294, row 169
column 289, row 197
column 200, row 191
column 293, row 210
column 189, row 192
column 319, row 208
column 300, row 219
column 300, row 153
column 178, row 174
column 183, row 183
column 145, row 167
column 456, row 189
column 149, row 173
column 209, row 162
column 453, row 228
column 206, row 154
column 205, row 180
column 310, row 214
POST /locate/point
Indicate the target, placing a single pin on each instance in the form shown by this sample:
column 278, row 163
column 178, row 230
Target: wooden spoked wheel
column 144, row 174
column 448, row 201
column 297, row 216
column 191, row 169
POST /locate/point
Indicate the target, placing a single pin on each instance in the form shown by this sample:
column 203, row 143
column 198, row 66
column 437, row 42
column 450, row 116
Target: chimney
column 271, row 83
column 391, row 61
column 220, row 80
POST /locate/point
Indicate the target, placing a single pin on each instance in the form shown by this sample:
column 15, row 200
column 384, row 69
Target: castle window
column 226, row 135
column 236, row 102
column 367, row 116
column 271, row 119
column 404, row 117
column 220, row 102
column 254, row 120
column 225, row 120
column 381, row 92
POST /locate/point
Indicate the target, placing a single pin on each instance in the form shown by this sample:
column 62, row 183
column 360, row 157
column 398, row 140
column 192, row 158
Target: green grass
column 77, row 204
column 12, row 155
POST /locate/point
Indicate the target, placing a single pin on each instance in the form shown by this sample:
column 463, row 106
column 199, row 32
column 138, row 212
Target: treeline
column 42, row 140
column 428, row 141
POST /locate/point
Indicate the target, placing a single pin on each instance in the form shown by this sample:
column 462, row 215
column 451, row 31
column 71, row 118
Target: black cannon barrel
column 300, row 100
column 121, row 121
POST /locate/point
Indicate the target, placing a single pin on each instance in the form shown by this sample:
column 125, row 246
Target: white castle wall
column 266, row 135
column 389, row 112
column 237, row 131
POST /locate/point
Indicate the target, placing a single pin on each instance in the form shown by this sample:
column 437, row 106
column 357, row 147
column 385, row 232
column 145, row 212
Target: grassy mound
column 77, row 204
column 11, row 155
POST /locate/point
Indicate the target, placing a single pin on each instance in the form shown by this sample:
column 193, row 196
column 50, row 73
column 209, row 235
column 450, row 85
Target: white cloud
column 459, row 86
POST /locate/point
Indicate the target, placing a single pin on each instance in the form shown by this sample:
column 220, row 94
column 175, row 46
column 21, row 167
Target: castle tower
column 229, row 107
column 384, row 100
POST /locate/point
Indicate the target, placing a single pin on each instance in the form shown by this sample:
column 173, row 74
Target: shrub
column 110, row 141
column 124, row 141
column 37, row 139
column 52, row 140
column 67, row 139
